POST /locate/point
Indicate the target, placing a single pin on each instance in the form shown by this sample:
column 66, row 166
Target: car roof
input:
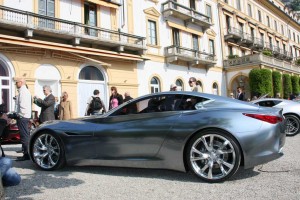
column 273, row 99
column 216, row 98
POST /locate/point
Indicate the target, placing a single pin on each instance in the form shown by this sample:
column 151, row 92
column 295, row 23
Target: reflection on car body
column 210, row 135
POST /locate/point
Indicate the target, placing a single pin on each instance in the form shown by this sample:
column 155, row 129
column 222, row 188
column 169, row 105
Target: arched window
column 215, row 89
column 91, row 73
column 155, row 85
column 5, row 86
column 3, row 71
column 179, row 84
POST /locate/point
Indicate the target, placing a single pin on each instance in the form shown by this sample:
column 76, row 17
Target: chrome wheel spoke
column 42, row 148
column 210, row 169
column 50, row 160
column 205, row 144
column 230, row 166
column 211, row 142
column 212, row 156
column 46, row 151
column 221, row 151
column 224, row 172
column 224, row 144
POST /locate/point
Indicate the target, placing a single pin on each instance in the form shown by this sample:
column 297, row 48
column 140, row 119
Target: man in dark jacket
column 127, row 96
column 46, row 104
column 240, row 95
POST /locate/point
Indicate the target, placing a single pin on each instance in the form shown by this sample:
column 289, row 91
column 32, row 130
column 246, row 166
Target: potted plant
column 232, row 56
column 297, row 62
column 267, row 52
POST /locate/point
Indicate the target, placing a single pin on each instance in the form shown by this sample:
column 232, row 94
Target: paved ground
column 279, row 179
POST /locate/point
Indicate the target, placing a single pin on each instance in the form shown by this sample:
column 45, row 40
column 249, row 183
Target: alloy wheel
column 46, row 151
column 212, row 157
column 292, row 125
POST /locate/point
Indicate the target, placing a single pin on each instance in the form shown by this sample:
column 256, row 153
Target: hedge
column 277, row 83
column 295, row 84
column 260, row 82
column 287, row 85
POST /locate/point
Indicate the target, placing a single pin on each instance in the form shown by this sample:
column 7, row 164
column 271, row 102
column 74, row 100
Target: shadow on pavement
column 35, row 181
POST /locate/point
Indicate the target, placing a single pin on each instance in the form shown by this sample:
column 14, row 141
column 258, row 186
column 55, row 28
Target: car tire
column 47, row 151
column 292, row 125
column 213, row 155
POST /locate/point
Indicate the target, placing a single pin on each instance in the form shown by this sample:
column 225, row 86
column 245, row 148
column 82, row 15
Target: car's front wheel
column 213, row 155
column 292, row 126
column 47, row 151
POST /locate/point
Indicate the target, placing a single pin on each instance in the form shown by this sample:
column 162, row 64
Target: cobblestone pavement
column 279, row 179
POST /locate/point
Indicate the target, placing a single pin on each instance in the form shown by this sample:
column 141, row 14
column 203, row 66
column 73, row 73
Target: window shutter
column 42, row 7
column 50, row 8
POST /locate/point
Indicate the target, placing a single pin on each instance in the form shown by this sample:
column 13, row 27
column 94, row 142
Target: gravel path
column 279, row 179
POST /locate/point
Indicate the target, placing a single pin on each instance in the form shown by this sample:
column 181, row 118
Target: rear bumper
column 269, row 147
column 264, row 159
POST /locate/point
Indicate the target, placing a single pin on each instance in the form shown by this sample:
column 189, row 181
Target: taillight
column 266, row 118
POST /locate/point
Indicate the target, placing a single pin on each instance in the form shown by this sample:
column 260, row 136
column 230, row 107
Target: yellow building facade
column 45, row 48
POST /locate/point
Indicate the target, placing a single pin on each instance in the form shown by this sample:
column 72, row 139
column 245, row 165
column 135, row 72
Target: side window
column 266, row 103
column 151, row 104
column 188, row 102
column 276, row 102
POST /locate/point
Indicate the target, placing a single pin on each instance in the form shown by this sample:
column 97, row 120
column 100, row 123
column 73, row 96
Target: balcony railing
column 259, row 42
column 171, row 8
column 174, row 53
column 246, row 40
column 62, row 29
column 258, row 59
column 233, row 33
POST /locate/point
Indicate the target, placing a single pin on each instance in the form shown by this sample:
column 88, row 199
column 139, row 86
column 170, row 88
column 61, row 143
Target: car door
column 137, row 129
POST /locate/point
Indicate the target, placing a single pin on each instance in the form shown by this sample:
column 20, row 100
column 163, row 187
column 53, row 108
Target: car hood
column 78, row 126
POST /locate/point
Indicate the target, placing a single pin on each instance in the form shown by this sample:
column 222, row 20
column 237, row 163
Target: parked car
column 210, row 135
column 11, row 133
column 291, row 112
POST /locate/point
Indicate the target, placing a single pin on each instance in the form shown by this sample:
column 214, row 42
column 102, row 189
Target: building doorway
column 91, row 78
column 51, row 78
column 243, row 82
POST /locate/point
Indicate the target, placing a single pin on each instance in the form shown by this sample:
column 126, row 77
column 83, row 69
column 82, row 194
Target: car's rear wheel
column 292, row 126
column 47, row 151
column 213, row 155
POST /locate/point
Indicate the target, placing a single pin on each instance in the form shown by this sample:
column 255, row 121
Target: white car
column 291, row 111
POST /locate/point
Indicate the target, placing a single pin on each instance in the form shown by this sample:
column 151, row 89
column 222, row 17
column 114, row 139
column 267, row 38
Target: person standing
column 56, row 108
column 23, row 110
column 127, row 96
column 95, row 104
column 193, row 85
column 46, row 104
column 240, row 95
column 115, row 98
column 173, row 87
column 65, row 107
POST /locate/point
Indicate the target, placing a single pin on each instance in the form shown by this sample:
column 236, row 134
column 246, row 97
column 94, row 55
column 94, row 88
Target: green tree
column 267, row 81
column 287, row 86
column 295, row 5
column 260, row 81
column 295, row 84
column 277, row 83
